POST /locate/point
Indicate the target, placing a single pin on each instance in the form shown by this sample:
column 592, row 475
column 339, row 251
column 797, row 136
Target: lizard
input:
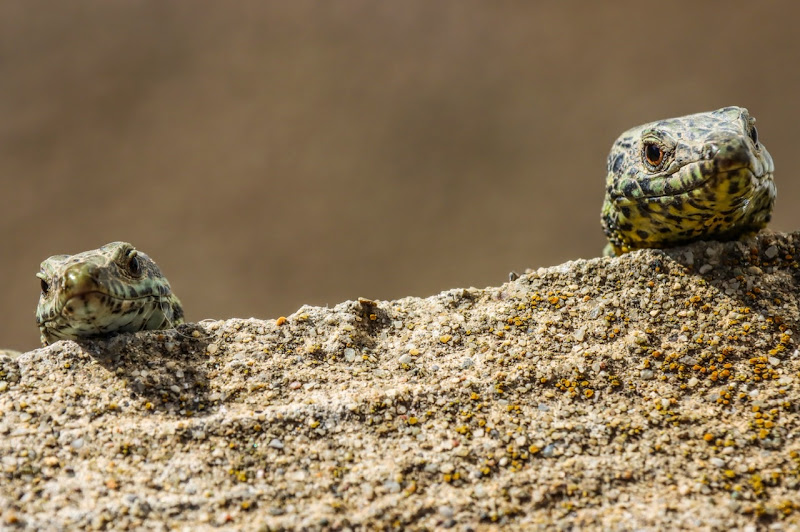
column 704, row 176
column 670, row 182
column 104, row 291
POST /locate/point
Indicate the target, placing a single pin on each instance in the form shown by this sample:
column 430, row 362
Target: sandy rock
column 659, row 389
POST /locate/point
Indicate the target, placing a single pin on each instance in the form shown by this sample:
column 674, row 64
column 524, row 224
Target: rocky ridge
column 658, row 389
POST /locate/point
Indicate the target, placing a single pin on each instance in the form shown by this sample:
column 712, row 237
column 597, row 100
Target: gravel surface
column 656, row 390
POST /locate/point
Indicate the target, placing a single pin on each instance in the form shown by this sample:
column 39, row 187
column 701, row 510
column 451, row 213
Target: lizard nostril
column 710, row 150
column 80, row 277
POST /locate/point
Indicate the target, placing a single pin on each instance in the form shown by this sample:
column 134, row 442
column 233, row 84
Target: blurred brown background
column 271, row 154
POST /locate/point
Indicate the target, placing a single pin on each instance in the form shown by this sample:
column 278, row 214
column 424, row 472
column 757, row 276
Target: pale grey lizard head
column 104, row 291
column 705, row 176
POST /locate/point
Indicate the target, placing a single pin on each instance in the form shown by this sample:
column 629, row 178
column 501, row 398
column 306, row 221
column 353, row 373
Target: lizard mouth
column 89, row 293
column 95, row 313
column 95, row 304
column 692, row 177
column 733, row 173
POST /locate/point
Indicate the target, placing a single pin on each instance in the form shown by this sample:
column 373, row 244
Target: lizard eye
column 653, row 154
column 45, row 286
column 754, row 135
column 134, row 266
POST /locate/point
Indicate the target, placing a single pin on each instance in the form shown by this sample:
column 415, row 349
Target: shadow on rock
column 166, row 368
column 371, row 318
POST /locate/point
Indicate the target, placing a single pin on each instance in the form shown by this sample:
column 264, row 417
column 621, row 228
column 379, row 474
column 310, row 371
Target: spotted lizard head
column 705, row 176
column 108, row 290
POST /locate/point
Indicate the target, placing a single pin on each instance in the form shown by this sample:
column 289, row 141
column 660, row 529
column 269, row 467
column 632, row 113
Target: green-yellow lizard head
column 702, row 176
column 108, row 290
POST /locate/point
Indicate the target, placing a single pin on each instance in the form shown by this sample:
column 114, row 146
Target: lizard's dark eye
column 45, row 286
column 653, row 154
column 134, row 266
column 754, row 135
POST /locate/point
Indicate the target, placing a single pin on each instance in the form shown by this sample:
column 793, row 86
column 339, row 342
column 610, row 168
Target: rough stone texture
column 659, row 389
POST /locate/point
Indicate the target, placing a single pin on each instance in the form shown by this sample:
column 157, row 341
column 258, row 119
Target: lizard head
column 701, row 176
column 111, row 289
